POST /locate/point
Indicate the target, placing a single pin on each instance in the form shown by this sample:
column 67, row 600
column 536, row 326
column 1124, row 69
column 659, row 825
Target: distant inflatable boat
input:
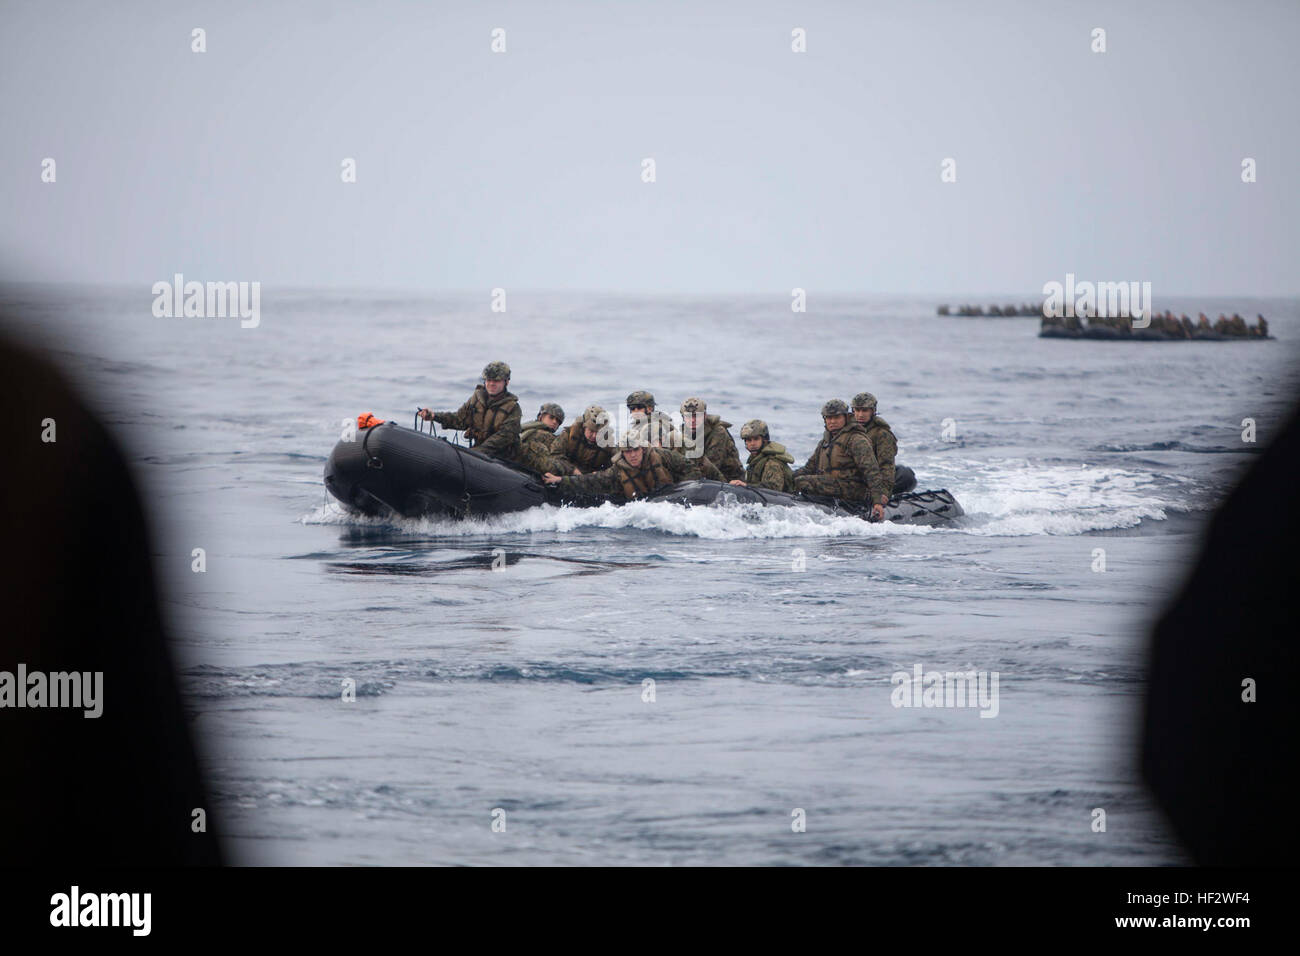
column 390, row 469
column 1107, row 333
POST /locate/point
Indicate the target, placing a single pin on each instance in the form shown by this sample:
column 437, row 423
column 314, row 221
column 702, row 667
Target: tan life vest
column 835, row 459
column 587, row 457
column 485, row 418
column 652, row 474
column 573, row 440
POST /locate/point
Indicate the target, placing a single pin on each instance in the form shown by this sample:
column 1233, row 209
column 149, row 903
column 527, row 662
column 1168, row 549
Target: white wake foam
column 1003, row 497
column 728, row 521
column 1023, row 497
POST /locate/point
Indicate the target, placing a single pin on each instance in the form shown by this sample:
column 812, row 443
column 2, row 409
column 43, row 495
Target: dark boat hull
column 923, row 507
column 389, row 469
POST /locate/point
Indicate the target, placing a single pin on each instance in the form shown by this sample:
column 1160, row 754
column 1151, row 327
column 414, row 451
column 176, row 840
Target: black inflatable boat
column 389, row 468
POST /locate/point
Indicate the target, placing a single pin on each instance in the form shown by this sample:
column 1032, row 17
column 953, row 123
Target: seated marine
column 843, row 464
column 883, row 443
column 707, row 435
column 584, row 447
column 769, row 463
column 640, row 469
column 537, row 438
column 489, row 418
column 641, row 410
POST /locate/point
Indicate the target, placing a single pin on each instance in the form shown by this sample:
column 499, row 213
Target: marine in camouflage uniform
column 843, row 464
column 697, row 467
column 718, row 446
column 883, row 443
column 574, row 451
column 537, row 438
column 639, row 470
column 490, row 419
column 769, row 463
column 662, row 431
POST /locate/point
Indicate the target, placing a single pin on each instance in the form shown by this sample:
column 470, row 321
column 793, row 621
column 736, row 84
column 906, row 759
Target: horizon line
column 995, row 297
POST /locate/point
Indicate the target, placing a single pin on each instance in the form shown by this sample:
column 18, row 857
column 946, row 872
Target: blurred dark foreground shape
column 120, row 789
column 1219, row 765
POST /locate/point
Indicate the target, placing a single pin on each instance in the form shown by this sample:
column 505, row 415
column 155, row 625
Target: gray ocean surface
column 522, row 689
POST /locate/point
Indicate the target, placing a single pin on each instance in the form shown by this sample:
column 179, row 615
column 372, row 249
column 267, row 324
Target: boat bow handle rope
column 433, row 427
column 372, row 461
column 913, row 501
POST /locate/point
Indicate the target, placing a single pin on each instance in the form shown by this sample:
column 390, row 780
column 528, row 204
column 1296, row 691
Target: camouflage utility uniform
column 659, row 467
column 571, row 448
column 536, row 446
column 769, row 467
column 490, row 424
column 719, row 447
column 661, row 428
column 659, row 425
column 843, row 466
column 697, row 468
column 885, row 447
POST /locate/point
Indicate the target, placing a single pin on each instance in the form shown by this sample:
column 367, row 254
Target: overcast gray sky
column 774, row 169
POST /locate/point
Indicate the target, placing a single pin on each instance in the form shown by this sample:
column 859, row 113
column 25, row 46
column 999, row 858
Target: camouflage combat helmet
column 641, row 398
column 595, row 418
column 834, row 407
column 550, row 408
column 864, row 400
column 693, row 404
column 496, row 370
column 755, row 428
column 634, row 438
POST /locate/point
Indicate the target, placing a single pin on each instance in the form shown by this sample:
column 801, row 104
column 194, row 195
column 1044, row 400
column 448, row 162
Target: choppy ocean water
column 523, row 688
